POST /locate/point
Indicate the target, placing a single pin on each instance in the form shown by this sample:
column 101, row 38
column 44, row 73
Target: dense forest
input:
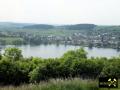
column 16, row 70
column 39, row 26
column 46, row 26
column 78, row 27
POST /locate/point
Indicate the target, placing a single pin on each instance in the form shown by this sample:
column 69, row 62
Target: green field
column 57, row 32
column 11, row 40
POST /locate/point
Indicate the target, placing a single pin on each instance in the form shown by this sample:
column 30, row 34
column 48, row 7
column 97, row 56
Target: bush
column 75, row 54
column 45, row 71
column 87, row 68
column 112, row 68
column 10, row 73
column 14, row 72
column 14, row 69
column 13, row 53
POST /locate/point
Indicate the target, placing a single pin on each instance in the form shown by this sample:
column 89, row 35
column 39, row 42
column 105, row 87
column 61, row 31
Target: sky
column 100, row 12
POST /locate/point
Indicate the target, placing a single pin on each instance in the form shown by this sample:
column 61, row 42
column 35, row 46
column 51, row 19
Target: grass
column 75, row 84
column 10, row 40
column 57, row 32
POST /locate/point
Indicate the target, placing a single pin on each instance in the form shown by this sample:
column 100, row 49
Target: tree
column 88, row 68
column 10, row 73
column 0, row 56
column 45, row 71
column 13, row 53
column 75, row 54
column 112, row 68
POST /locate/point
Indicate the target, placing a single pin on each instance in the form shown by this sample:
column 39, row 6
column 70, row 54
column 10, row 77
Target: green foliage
column 11, row 40
column 14, row 69
column 50, row 69
column 39, row 26
column 13, row 53
column 10, row 73
column 0, row 56
column 75, row 54
column 88, row 68
column 112, row 68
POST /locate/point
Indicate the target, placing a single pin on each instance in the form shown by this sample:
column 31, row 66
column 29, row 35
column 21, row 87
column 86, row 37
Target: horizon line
column 57, row 23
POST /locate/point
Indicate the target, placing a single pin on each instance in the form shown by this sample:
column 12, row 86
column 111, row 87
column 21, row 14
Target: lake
column 53, row 51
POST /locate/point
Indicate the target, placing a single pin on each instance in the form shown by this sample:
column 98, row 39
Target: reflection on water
column 52, row 51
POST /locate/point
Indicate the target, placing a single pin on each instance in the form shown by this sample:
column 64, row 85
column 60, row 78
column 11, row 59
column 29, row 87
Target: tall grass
column 58, row 84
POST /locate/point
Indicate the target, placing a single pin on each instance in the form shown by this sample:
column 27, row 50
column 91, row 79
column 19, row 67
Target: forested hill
column 67, row 27
column 5, row 25
column 10, row 25
column 39, row 26
column 79, row 27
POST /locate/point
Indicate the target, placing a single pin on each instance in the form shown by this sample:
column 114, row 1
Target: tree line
column 16, row 70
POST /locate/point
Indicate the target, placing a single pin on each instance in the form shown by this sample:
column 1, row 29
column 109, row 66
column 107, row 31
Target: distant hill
column 78, row 27
column 11, row 26
column 39, row 26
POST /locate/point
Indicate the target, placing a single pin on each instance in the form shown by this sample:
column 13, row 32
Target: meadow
column 59, row 84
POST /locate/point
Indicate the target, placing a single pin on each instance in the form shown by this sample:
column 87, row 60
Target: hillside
column 5, row 25
column 79, row 27
column 39, row 26
column 11, row 25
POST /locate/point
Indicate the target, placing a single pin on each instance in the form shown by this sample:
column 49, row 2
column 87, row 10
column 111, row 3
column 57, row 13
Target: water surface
column 53, row 51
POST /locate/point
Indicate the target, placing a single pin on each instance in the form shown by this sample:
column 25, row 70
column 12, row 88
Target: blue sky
column 101, row 12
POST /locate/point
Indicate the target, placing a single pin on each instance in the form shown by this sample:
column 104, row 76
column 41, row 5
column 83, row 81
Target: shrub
column 45, row 71
column 10, row 73
column 13, row 53
column 87, row 68
column 112, row 68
